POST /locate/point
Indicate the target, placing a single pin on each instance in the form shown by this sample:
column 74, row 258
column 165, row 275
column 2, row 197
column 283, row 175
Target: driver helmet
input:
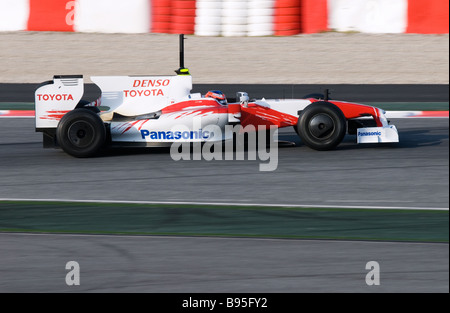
column 218, row 95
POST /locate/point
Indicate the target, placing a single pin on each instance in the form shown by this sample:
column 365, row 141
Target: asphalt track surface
column 37, row 263
column 411, row 174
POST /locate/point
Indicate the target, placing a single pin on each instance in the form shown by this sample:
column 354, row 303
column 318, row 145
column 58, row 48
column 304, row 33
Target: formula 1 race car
column 149, row 110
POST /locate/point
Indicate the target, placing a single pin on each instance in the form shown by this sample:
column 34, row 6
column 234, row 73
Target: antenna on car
column 326, row 94
column 182, row 70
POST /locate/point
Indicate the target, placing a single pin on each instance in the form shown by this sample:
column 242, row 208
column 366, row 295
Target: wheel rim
column 321, row 126
column 81, row 134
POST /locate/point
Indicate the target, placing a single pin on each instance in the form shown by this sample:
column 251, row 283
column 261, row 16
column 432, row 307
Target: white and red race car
column 149, row 110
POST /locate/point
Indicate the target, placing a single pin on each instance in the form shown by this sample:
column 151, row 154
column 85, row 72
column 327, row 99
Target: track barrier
column 226, row 17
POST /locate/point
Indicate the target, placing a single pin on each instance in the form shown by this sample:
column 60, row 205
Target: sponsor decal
column 175, row 135
column 363, row 134
column 52, row 97
column 152, row 84
column 145, row 93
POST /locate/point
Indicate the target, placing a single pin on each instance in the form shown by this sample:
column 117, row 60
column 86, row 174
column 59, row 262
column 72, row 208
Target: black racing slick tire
column 322, row 126
column 81, row 133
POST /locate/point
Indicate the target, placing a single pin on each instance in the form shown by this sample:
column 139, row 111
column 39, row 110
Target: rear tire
column 322, row 126
column 81, row 133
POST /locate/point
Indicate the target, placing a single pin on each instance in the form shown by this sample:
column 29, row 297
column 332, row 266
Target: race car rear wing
column 55, row 98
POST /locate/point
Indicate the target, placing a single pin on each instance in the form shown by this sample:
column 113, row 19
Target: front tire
column 322, row 126
column 81, row 133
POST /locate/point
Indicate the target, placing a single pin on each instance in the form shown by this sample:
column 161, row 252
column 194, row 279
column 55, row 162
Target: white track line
column 237, row 204
column 217, row 238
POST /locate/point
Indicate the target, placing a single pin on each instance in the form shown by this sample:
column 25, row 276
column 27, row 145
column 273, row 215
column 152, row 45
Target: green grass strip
column 224, row 221
column 16, row 106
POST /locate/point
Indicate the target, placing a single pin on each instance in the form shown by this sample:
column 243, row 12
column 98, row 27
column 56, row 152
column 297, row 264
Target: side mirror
column 243, row 98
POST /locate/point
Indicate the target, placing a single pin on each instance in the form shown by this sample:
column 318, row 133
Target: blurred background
column 226, row 17
column 229, row 41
